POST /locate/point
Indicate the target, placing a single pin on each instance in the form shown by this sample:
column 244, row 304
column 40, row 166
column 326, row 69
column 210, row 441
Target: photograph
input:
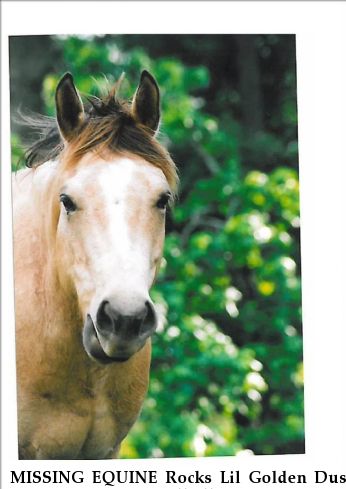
column 156, row 241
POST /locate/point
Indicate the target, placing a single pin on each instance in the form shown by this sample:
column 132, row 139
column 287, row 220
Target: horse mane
column 108, row 126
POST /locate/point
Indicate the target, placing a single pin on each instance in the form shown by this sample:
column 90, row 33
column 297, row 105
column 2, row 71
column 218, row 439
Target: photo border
column 321, row 76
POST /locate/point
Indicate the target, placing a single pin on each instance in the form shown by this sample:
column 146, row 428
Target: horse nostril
column 149, row 320
column 106, row 317
column 125, row 327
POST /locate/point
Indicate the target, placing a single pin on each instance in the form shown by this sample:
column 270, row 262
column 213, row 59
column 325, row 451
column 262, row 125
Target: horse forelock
column 109, row 127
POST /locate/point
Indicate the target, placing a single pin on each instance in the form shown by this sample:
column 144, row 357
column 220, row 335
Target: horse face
column 110, row 239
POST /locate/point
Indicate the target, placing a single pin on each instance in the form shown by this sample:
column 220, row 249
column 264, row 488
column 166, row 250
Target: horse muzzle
column 115, row 337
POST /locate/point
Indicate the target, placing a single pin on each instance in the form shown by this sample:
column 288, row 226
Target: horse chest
column 104, row 432
column 76, row 409
column 87, row 428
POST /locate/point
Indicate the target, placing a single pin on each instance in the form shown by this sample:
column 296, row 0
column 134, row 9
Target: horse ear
column 69, row 107
column 146, row 102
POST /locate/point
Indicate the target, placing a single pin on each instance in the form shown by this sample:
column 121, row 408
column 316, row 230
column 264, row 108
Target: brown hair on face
column 109, row 126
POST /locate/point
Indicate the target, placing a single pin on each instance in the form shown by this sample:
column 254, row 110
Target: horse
column 89, row 224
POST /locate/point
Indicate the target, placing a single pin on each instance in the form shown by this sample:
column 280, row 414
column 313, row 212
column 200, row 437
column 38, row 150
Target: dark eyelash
column 163, row 201
column 68, row 203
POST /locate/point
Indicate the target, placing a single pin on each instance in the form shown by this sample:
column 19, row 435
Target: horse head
column 114, row 184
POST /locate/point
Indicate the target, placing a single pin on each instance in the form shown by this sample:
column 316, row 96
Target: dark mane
column 48, row 146
column 108, row 125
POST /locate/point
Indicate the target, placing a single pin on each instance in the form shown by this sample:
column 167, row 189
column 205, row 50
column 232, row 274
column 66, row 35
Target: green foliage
column 227, row 359
column 17, row 152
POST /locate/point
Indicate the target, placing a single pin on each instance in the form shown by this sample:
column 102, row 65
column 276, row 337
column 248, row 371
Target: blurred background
column 227, row 374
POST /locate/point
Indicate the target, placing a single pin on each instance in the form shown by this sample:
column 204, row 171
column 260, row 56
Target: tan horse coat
column 69, row 406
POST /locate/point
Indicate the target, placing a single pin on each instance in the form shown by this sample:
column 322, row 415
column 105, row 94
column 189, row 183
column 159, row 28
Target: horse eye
column 68, row 203
column 163, row 201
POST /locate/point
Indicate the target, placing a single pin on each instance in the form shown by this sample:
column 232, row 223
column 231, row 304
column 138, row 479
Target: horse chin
column 93, row 346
